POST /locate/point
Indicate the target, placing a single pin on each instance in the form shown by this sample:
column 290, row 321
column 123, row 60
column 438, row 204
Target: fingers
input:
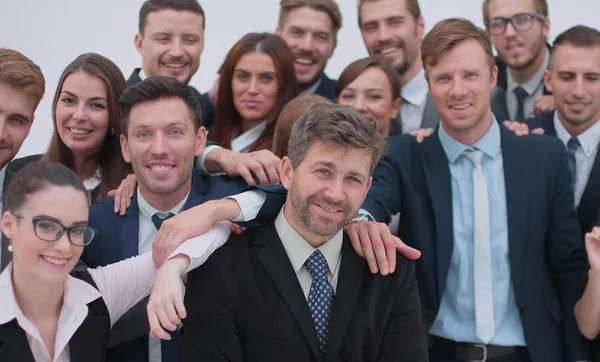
column 376, row 235
column 367, row 249
column 156, row 329
column 247, row 176
column 422, row 133
column 519, row 129
column 352, row 231
column 539, row 130
column 235, row 228
column 111, row 193
column 405, row 250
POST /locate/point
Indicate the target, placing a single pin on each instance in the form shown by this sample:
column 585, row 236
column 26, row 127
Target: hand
column 189, row 223
column 542, row 105
column 374, row 242
column 124, row 193
column 521, row 129
column 235, row 228
column 592, row 246
column 422, row 133
column 213, row 94
column 165, row 306
column 263, row 164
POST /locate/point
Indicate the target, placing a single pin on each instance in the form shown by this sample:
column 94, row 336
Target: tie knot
column 475, row 156
column 521, row 94
column 317, row 265
column 160, row 217
column 573, row 143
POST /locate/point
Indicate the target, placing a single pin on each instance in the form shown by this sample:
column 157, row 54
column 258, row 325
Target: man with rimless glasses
column 518, row 30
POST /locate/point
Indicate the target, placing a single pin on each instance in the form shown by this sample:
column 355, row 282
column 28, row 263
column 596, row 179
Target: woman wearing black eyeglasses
column 48, row 312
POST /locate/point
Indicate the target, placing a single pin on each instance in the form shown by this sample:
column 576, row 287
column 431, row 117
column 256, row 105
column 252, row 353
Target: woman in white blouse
column 256, row 80
column 87, row 124
column 51, row 313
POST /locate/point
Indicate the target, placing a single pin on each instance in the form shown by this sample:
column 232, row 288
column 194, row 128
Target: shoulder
column 540, row 121
column 404, row 145
column 104, row 210
column 17, row 164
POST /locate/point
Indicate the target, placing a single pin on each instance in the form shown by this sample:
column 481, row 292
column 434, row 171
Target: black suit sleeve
column 209, row 331
column 565, row 251
column 404, row 336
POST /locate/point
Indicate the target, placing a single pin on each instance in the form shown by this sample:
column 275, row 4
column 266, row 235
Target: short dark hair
column 411, row 5
column 329, row 7
column 155, row 88
column 541, row 6
column 579, row 36
column 36, row 177
column 447, row 34
column 151, row 6
column 18, row 71
column 341, row 125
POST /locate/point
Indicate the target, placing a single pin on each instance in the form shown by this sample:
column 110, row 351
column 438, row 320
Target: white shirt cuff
column 250, row 203
column 200, row 161
column 200, row 247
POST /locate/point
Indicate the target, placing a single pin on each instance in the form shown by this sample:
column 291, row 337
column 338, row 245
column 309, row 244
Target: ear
column 548, row 79
column 546, row 26
column 420, row 27
column 125, row 149
column 8, row 224
column 200, row 141
column 287, row 173
column 137, row 40
column 494, row 77
column 278, row 31
column 369, row 183
column 396, row 108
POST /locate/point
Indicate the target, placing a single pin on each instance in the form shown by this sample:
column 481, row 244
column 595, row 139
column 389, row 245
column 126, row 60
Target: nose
column 360, row 104
column 383, row 34
column 458, row 89
column 510, row 29
column 253, row 86
column 80, row 114
column 3, row 133
column 62, row 244
column 579, row 91
column 306, row 42
column 176, row 49
column 335, row 189
column 159, row 145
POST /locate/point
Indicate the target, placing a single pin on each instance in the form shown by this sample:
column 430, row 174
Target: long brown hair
column 292, row 112
column 113, row 168
column 356, row 68
column 228, row 120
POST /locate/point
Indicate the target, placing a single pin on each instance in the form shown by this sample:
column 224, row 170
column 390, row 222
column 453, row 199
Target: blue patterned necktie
column 572, row 147
column 320, row 297
column 169, row 350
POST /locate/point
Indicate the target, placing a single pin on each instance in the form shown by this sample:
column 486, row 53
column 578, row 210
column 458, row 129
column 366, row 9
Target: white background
column 54, row 32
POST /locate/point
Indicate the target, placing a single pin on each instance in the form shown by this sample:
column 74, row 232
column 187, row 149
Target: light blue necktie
column 320, row 297
column 482, row 260
column 572, row 147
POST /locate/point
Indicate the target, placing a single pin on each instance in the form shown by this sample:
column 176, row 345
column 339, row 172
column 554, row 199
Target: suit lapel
column 431, row 119
column 13, row 343
column 548, row 125
column 349, row 282
column 517, row 200
column 276, row 262
column 130, row 230
column 437, row 176
column 590, row 200
column 198, row 193
column 499, row 104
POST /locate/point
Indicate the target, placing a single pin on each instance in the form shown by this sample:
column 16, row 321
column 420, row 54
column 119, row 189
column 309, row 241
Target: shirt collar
column 489, row 143
column 142, row 74
column 77, row 293
column 148, row 210
column 415, row 91
column 2, row 185
column 588, row 139
column 246, row 139
column 92, row 182
column 533, row 83
column 298, row 249
column 313, row 88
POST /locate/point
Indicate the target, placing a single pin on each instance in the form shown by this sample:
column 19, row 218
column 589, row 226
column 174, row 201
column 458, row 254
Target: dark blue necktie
column 169, row 350
column 320, row 297
column 572, row 147
column 521, row 96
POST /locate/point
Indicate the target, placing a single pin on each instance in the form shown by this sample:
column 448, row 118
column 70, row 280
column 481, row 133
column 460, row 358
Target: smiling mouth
column 460, row 107
column 328, row 210
column 54, row 261
column 79, row 131
column 388, row 51
column 160, row 168
column 175, row 65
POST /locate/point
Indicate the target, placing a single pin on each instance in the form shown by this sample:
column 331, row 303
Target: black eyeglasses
column 49, row 230
column 521, row 21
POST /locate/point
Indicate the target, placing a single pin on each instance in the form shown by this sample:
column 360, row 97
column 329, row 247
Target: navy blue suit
column 546, row 255
column 325, row 89
column 590, row 201
column 117, row 240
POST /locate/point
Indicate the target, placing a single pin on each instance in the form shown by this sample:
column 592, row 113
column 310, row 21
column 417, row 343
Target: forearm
column 587, row 309
column 215, row 158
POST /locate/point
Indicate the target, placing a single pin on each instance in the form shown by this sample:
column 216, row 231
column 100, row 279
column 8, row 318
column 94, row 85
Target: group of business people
column 495, row 217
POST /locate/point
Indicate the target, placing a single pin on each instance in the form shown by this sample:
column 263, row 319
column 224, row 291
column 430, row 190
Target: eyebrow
column 91, row 99
column 172, row 124
column 332, row 166
column 368, row 89
column 50, row 218
column 241, row 70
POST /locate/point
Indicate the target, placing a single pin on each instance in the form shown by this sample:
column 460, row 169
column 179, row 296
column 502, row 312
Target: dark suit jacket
column 245, row 304
column 546, row 249
column 590, row 201
column 499, row 93
column 431, row 119
column 207, row 121
column 11, row 169
column 117, row 240
column 325, row 89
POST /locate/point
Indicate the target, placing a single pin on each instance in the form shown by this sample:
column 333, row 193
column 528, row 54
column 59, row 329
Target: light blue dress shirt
column 456, row 317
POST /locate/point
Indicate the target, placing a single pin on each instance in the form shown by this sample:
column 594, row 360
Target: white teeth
column 460, row 106
column 79, row 131
column 174, row 65
column 388, row 50
column 304, row 61
column 328, row 210
column 55, row 261
column 161, row 168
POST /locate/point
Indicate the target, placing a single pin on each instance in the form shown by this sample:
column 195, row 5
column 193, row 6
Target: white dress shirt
column 313, row 88
column 585, row 155
column 414, row 97
column 298, row 250
column 534, row 88
column 2, row 176
column 121, row 285
column 246, row 139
